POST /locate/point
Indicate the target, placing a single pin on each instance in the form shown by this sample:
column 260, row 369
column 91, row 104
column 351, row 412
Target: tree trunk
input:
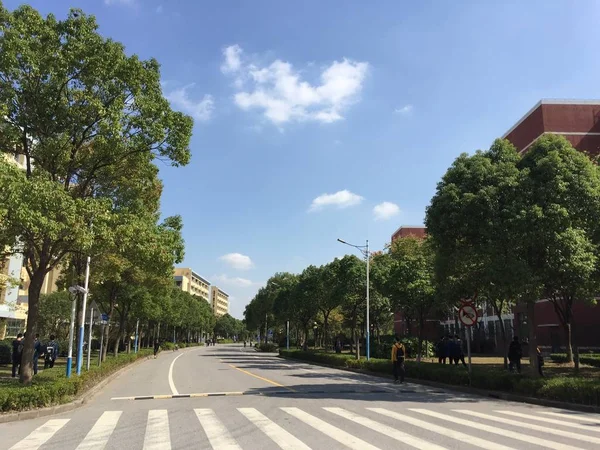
column 35, row 287
column 532, row 339
column 569, row 343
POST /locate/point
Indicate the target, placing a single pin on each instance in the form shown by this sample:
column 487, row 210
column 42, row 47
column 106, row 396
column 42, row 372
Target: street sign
column 467, row 314
column 104, row 317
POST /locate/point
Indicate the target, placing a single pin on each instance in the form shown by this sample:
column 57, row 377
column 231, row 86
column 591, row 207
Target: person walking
column 51, row 353
column 37, row 347
column 460, row 354
column 540, row 361
column 442, row 350
column 398, row 355
column 156, row 347
column 17, row 353
column 515, row 353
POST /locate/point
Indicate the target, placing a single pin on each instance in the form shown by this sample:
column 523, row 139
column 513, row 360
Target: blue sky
column 310, row 114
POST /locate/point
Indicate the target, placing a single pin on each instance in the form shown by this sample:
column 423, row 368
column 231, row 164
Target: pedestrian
column 460, row 354
column 156, row 347
column 37, row 346
column 51, row 353
column 17, row 353
column 540, row 361
column 398, row 355
column 442, row 350
column 515, row 353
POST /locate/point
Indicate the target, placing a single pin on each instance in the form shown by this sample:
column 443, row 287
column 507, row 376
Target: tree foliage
column 89, row 121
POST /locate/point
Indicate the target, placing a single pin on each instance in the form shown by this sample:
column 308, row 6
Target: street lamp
column 315, row 333
column 73, row 290
column 364, row 249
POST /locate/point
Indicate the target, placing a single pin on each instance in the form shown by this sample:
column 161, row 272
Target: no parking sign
column 467, row 314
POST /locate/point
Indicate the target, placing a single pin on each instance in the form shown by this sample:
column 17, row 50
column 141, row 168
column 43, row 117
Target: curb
column 82, row 398
column 497, row 395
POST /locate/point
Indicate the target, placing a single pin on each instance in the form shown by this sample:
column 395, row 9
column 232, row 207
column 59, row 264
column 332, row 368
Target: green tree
column 560, row 204
column 414, row 279
column 55, row 314
column 473, row 227
column 83, row 114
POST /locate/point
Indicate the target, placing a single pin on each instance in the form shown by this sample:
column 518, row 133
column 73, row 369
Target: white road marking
column 329, row 430
column 100, row 433
column 553, row 421
column 40, row 435
column 218, row 436
column 530, row 426
column 495, row 430
column 446, row 432
column 171, row 384
column 574, row 416
column 280, row 436
column 394, row 433
column 157, row 430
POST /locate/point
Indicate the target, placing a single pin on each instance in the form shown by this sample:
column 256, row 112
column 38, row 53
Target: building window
column 14, row 327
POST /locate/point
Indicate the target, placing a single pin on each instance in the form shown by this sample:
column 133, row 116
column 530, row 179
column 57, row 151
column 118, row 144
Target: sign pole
column 469, row 351
column 101, row 344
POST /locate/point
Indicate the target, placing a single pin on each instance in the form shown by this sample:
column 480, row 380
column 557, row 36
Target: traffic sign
column 104, row 317
column 467, row 314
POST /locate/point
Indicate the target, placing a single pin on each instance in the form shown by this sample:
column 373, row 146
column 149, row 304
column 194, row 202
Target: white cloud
column 341, row 199
column 234, row 281
column 237, row 261
column 404, row 110
column 385, row 211
column 279, row 91
column 232, row 61
column 199, row 110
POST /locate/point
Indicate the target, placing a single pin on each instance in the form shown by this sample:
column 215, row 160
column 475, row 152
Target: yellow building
column 219, row 301
column 189, row 281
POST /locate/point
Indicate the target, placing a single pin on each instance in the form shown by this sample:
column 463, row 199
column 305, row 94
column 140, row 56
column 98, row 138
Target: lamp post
column 287, row 334
column 73, row 290
column 82, row 323
column 364, row 249
column 315, row 334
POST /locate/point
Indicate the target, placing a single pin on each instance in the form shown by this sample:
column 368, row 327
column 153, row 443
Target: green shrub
column 5, row 352
column 268, row 347
column 588, row 359
column 566, row 389
column 384, row 349
column 51, row 387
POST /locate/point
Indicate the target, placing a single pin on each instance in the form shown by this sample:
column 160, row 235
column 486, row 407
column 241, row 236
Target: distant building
column 219, row 301
column 418, row 231
column 577, row 120
column 189, row 281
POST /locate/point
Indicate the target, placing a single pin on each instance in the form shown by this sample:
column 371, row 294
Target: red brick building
column 418, row 231
column 576, row 120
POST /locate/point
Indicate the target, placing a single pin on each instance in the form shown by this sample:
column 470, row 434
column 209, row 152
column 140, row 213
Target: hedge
column 590, row 360
column 567, row 389
column 51, row 387
column 269, row 347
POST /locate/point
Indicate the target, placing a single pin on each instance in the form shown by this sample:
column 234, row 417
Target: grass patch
column 560, row 384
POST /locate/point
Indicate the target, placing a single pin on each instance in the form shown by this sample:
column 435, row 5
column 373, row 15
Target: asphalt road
column 234, row 398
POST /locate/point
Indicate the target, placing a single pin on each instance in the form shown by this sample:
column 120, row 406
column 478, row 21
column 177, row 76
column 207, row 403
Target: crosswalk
column 364, row 428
